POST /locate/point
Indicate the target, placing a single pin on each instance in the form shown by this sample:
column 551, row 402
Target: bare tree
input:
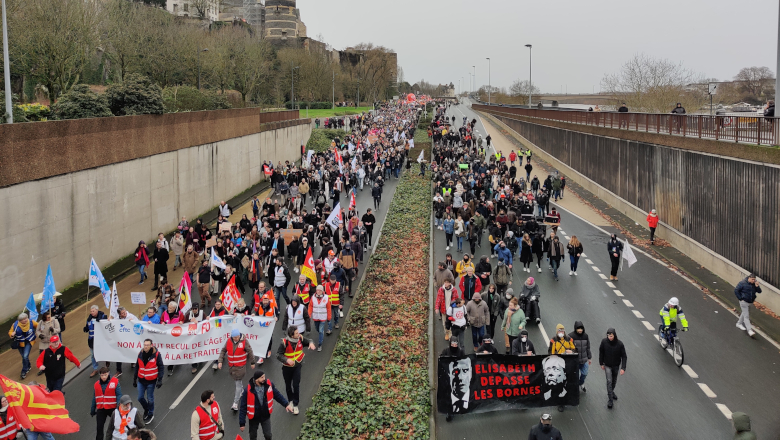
column 653, row 85
column 756, row 83
column 520, row 88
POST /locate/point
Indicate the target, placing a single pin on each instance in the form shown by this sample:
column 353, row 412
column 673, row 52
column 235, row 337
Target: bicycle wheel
column 662, row 338
column 678, row 353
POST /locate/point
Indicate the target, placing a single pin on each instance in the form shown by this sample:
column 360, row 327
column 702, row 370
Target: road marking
column 707, row 391
column 618, row 293
column 596, row 268
column 561, row 231
column 610, row 285
column 637, row 314
column 544, row 334
column 724, row 409
column 649, row 326
column 603, row 277
column 567, row 237
column 588, row 261
column 585, row 256
column 690, row 371
column 627, row 303
column 189, row 387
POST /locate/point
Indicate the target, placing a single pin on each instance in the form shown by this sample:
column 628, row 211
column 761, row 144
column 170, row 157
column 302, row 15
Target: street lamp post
column 530, row 83
column 357, row 104
column 333, row 96
column 9, row 111
column 489, row 86
column 199, row 51
column 475, row 78
column 471, row 82
column 292, row 89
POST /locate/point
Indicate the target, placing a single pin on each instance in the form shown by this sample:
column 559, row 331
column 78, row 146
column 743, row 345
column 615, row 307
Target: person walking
column 746, row 292
column 206, row 422
column 160, row 256
column 237, row 351
column 320, row 312
column 446, row 294
column 441, row 275
column 376, row 194
column 142, row 260
column 514, row 321
column 257, row 405
column 108, row 392
column 545, row 430
column 149, row 372
column 52, row 362
column 290, row 354
column 522, row 346
column 177, row 246
column 556, row 254
column 368, row 220
column 575, row 251
column 124, row 418
column 615, row 248
column 652, row 223
column 582, row 345
column 22, row 334
column 449, row 229
column 456, row 313
column 9, row 426
column 47, row 328
column 95, row 315
column 478, row 314
column 470, row 284
column 612, row 357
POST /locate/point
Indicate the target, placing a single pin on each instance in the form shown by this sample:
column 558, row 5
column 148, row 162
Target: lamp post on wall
column 199, row 51
column 474, row 87
column 292, row 89
column 489, row 86
column 9, row 111
column 530, row 83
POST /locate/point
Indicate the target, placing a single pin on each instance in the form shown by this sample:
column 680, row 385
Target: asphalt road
column 657, row 399
column 173, row 423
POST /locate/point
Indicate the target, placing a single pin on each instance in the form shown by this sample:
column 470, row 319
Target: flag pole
column 86, row 303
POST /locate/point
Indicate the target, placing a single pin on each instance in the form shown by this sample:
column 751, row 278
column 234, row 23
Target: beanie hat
column 477, row 296
column 559, row 327
column 235, row 333
column 258, row 374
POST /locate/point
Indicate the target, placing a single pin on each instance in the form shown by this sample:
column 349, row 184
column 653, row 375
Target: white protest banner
column 628, row 254
column 335, row 217
column 138, row 297
column 120, row 340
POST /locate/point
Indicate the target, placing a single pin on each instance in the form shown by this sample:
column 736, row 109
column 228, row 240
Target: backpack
column 502, row 275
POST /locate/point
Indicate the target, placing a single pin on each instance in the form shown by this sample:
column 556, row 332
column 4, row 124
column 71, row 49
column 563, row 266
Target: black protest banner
column 496, row 382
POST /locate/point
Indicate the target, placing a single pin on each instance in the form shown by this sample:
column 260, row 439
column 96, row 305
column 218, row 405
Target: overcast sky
column 574, row 42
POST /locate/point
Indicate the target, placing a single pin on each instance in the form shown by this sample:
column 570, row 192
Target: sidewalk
column 588, row 206
column 76, row 340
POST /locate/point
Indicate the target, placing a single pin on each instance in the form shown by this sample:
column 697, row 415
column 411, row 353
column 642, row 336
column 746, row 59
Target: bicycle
column 675, row 346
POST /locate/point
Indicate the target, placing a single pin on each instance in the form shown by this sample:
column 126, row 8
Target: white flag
column 308, row 157
column 411, row 144
column 420, row 159
column 335, row 217
column 354, row 163
column 114, row 303
column 628, row 254
column 216, row 261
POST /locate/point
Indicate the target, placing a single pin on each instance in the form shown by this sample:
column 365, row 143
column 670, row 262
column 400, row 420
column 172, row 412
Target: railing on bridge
column 749, row 129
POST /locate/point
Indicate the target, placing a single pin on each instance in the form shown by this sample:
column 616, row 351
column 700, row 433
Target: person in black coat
column 612, row 357
column 545, row 430
column 522, row 346
column 615, row 248
column 160, row 264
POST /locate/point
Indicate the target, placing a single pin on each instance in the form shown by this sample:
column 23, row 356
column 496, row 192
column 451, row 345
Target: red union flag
column 267, row 170
column 308, row 268
column 352, row 200
column 230, row 295
column 35, row 409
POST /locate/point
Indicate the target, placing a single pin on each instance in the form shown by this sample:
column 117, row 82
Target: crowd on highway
column 481, row 192
column 300, row 280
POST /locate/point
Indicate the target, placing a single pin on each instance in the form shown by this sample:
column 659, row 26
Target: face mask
column 508, row 296
column 560, row 334
column 523, row 339
column 546, row 428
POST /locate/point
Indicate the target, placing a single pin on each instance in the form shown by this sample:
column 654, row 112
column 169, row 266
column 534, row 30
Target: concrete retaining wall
column 103, row 212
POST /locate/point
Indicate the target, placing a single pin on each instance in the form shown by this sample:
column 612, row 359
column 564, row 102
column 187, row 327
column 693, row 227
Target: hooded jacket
column 520, row 348
column 746, row 291
column 529, row 291
column 582, row 342
column 612, row 353
column 742, row 426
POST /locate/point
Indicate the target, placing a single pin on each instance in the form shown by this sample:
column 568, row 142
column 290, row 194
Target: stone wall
column 103, row 212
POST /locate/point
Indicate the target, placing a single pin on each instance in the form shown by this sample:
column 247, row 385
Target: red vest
column 250, row 399
column 8, row 431
column 333, row 293
column 259, row 303
column 208, row 429
column 220, row 313
column 147, row 371
column 303, row 293
column 294, row 353
column 107, row 400
column 236, row 355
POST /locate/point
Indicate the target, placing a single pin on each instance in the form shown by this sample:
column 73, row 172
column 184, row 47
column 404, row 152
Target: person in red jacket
column 445, row 296
column 9, row 427
column 52, row 362
column 512, row 157
column 652, row 222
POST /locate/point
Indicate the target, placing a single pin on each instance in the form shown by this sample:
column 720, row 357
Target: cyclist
column 670, row 312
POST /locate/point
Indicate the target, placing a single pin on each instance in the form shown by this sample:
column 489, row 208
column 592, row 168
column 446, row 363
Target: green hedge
column 310, row 104
column 321, row 137
column 376, row 385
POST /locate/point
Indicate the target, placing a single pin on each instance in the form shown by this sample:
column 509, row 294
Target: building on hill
column 283, row 25
column 189, row 8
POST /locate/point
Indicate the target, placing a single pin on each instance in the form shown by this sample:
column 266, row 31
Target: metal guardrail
column 751, row 129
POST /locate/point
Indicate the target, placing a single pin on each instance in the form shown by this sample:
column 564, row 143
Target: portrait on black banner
column 460, row 373
column 554, row 387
